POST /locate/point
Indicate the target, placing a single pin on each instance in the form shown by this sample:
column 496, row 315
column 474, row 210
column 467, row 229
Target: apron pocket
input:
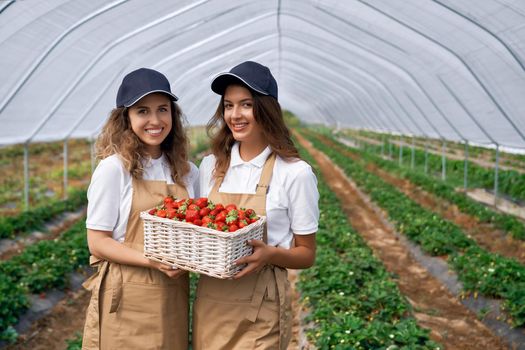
column 149, row 317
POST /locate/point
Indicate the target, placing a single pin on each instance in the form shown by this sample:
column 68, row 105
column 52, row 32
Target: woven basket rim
column 145, row 215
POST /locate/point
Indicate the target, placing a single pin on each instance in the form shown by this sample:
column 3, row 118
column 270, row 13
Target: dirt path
column 485, row 234
column 52, row 331
column 435, row 308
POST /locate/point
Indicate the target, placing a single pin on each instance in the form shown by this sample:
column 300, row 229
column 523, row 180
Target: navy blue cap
column 142, row 82
column 256, row 76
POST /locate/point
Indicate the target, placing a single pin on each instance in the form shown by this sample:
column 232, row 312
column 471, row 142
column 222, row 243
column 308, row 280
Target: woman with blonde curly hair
column 137, row 303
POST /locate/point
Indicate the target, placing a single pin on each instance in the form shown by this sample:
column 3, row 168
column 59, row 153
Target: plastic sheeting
column 445, row 69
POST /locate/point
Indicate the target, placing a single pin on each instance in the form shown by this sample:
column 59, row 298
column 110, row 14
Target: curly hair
column 117, row 137
column 268, row 114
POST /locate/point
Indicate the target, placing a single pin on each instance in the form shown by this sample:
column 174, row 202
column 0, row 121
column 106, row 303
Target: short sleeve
column 104, row 196
column 193, row 178
column 304, row 196
column 205, row 174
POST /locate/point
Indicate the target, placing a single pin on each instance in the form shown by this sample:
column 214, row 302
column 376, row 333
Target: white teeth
column 154, row 131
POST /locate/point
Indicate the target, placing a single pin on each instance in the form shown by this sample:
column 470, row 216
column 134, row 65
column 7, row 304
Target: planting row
column 40, row 267
column 510, row 182
column 480, row 271
column 479, row 153
column 35, row 218
column 353, row 300
column 507, row 223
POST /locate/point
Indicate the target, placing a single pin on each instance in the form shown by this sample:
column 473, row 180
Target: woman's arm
column 301, row 256
column 102, row 245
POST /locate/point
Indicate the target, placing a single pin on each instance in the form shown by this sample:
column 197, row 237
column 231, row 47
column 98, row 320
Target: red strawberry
column 233, row 228
column 206, row 220
column 168, row 200
column 232, row 216
column 197, row 222
column 171, row 213
column 191, row 215
column 161, row 213
column 204, row 211
column 221, row 217
column 152, row 211
column 243, row 223
column 250, row 213
column 202, row 202
column 231, row 207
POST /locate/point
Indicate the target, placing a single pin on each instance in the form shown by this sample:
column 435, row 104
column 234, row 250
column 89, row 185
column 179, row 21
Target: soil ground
column 485, row 234
column 451, row 324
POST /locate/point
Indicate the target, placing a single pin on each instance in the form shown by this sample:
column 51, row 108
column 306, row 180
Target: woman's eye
column 227, row 106
column 163, row 109
column 142, row 111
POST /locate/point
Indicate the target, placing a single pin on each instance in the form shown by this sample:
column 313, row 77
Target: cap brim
column 222, row 80
column 135, row 99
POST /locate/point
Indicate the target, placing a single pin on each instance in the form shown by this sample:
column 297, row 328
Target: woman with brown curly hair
column 137, row 303
column 255, row 165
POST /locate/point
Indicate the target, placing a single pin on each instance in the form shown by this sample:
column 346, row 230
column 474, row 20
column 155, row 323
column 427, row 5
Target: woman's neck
column 248, row 151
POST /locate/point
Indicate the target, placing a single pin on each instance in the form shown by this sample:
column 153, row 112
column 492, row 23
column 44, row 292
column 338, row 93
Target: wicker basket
column 196, row 248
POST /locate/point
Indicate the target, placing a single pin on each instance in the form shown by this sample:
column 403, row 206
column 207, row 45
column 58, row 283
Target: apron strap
column 264, row 181
column 266, row 176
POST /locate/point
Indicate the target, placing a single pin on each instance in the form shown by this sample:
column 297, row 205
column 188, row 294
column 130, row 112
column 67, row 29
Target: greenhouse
column 409, row 114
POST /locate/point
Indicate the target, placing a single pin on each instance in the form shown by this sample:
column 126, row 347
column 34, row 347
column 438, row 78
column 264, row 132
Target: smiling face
column 239, row 117
column 150, row 119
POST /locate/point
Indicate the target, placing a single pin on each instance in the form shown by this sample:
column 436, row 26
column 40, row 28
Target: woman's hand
column 262, row 254
column 168, row 270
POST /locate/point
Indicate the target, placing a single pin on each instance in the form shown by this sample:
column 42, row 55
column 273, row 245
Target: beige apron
column 136, row 307
column 253, row 312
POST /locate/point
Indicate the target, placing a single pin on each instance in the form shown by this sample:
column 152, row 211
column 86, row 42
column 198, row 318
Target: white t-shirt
column 110, row 192
column 292, row 199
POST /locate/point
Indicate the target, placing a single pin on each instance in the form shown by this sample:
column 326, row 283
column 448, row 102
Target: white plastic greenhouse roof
column 451, row 69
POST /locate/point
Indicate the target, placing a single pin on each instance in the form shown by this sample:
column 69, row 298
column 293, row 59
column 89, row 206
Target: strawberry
column 231, row 207
column 168, row 200
column 233, row 228
column 152, row 211
column 209, row 225
column 250, row 213
column 194, row 207
column 207, row 220
column 191, row 215
column 219, row 207
column 243, row 223
column 232, row 216
column 197, row 222
column 202, row 202
column 221, row 226
column 171, row 213
column 161, row 213
column 221, row 217
column 204, row 211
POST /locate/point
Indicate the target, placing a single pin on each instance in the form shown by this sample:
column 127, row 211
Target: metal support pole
column 390, row 150
column 26, row 176
column 496, row 168
column 413, row 160
column 401, row 152
column 382, row 146
column 465, row 174
column 426, row 156
column 65, row 168
column 443, row 162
